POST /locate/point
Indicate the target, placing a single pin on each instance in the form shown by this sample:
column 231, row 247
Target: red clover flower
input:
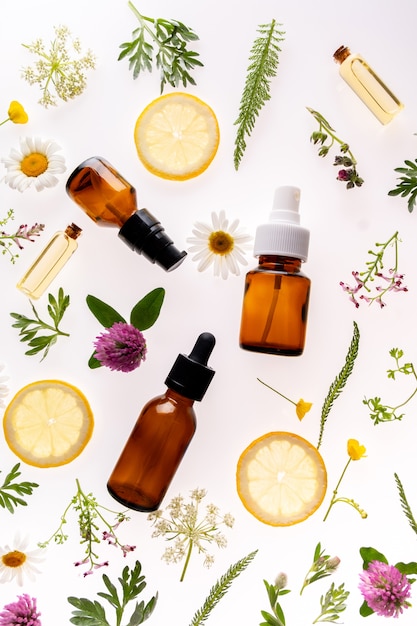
column 23, row 612
column 121, row 347
column 385, row 589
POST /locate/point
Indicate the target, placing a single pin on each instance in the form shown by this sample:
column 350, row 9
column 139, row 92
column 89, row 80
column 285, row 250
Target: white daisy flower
column 219, row 244
column 16, row 562
column 4, row 390
column 36, row 163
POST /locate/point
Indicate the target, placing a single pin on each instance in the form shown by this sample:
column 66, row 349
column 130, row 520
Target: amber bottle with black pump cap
column 162, row 432
column 276, row 297
column 109, row 200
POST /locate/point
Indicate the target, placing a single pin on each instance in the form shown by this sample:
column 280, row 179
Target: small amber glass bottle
column 276, row 297
column 109, row 200
column 356, row 72
column 162, row 432
column 50, row 261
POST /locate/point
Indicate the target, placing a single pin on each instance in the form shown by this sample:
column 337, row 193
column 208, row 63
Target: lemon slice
column 48, row 423
column 177, row 136
column 281, row 479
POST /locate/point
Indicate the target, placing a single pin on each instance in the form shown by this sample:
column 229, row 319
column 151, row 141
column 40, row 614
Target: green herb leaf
column 339, row 382
column 408, row 183
column 407, row 568
column 94, row 363
column 145, row 313
column 365, row 610
column 88, row 613
column 404, row 504
column 256, row 92
column 370, row 554
column 9, row 500
column 103, row 312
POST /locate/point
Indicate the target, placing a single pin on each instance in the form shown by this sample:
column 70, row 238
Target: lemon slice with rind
column 48, row 423
column 281, row 479
column 177, row 136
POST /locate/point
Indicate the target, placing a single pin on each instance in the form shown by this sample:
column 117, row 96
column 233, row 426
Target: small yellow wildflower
column 355, row 450
column 17, row 113
column 301, row 408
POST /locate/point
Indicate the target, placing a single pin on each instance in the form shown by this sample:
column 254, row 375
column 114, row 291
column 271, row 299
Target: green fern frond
column 404, row 504
column 263, row 66
column 220, row 589
column 339, row 382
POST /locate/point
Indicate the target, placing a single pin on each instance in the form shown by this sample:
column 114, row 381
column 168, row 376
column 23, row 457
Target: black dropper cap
column 190, row 375
column 143, row 233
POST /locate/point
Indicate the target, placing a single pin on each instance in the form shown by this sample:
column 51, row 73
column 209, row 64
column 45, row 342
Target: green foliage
column 173, row 59
column 143, row 315
column 332, row 604
column 404, row 504
column 92, row 613
column 256, row 92
column 219, row 590
column 277, row 617
column 323, row 565
column 339, row 382
column 29, row 328
column 408, row 183
column 8, row 499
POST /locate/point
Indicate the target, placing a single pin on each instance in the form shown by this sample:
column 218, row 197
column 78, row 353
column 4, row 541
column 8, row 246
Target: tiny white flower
column 35, row 164
column 220, row 245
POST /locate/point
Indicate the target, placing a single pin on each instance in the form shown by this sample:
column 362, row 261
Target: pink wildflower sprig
column 385, row 282
column 386, row 589
column 24, row 611
column 23, row 233
column 90, row 514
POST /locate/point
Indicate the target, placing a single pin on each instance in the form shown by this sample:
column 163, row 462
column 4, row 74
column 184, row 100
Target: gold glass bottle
column 367, row 85
column 275, row 302
column 50, row 261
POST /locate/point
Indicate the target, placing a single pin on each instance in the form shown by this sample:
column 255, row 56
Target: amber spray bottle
column 50, row 261
column 109, row 200
column 275, row 302
column 367, row 85
column 162, row 432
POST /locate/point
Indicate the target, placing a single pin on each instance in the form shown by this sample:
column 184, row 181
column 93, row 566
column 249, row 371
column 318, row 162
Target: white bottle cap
column 283, row 235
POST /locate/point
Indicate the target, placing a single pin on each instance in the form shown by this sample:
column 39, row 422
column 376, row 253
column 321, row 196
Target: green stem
column 333, row 500
column 278, row 392
column 4, row 121
column 187, row 560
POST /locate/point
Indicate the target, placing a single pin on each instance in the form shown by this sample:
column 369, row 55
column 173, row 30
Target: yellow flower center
column 34, row 164
column 220, row 242
column 13, row 559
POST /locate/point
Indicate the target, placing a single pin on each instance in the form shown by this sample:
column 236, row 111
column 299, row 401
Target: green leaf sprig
column 219, row 590
column 92, row 613
column 384, row 412
column 29, row 328
column 23, row 233
column 172, row 58
column 340, row 381
column 264, row 59
column 8, row 499
column 143, row 315
column 345, row 160
column 404, row 504
column 407, row 185
column 274, row 591
column 332, row 604
column 323, row 565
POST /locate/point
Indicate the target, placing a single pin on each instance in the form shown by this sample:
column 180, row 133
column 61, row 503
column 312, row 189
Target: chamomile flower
column 220, row 245
column 36, row 163
column 16, row 562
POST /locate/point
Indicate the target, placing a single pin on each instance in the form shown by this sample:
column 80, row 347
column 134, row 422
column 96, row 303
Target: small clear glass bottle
column 162, row 432
column 50, row 261
column 276, row 297
column 367, row 85
column 109, row 200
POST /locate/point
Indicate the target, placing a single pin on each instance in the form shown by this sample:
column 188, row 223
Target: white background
column 344, row 224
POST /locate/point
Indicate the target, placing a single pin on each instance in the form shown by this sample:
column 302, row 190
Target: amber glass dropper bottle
column 109, row 200
column 162, row 432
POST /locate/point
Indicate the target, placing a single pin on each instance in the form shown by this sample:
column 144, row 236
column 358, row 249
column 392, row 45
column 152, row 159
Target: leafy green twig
column 256, row 92
column 219, row 590
column 173, row 59
column 325, row 132
column 23, row 233
column 408, row 183
column 89, row 613
column 29, row 328
column 332, row 604
column 9, row 500
column 274, row 591
column 404, row 504
column 384, row 412
column 323, row 565
column 339, row 382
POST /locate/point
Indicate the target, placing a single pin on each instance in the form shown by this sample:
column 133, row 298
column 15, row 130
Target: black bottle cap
column 190, row 375
column 143, row 233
